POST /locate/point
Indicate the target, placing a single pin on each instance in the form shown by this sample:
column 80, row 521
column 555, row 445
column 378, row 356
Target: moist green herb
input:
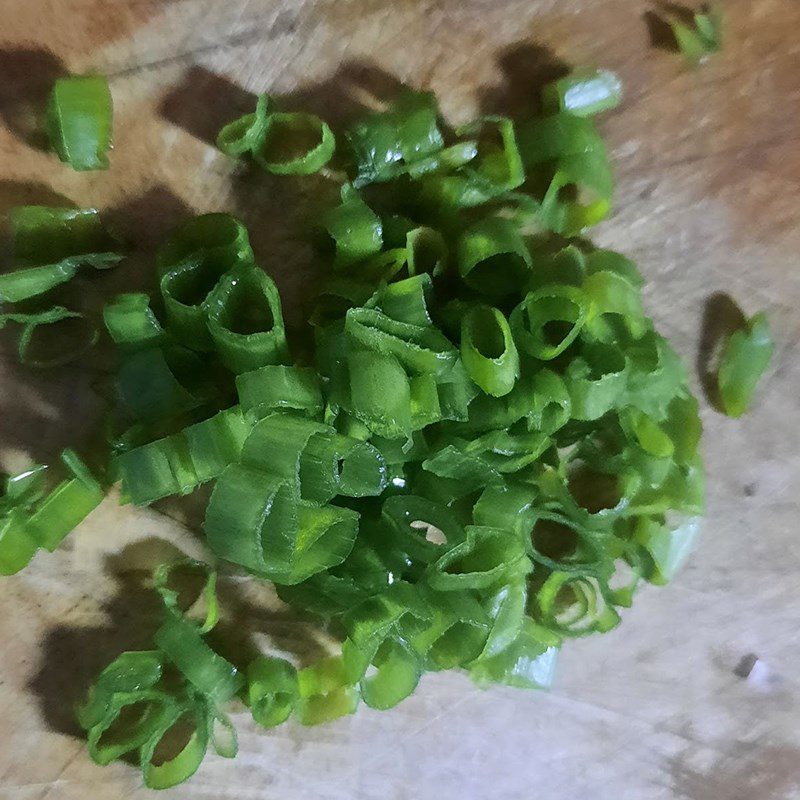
column 492, row 449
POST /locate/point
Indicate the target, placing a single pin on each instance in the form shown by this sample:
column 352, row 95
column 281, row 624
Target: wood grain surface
column 708, row 166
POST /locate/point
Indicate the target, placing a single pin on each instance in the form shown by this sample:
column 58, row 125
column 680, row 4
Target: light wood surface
column 708, row 195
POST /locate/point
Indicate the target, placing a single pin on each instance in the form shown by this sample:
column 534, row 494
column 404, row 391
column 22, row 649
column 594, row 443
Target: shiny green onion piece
column 244, row 135
column 164, row 578
column 584, row 92
column 278, row 388
column 355, row 230
column 223, row 735
column 17, row 544
column 131, row 322
column 371, row 622
column 67, row 505
column 745, row 358
column 655, row 375
column 488, row 350
column 217, row 239
column 574, row 605
column 424, row 397
column 449, row 158
column 386, row 144
column 420, row 528
column 272, row 690
column 182, row 766
column 549, row 320
column 456, row 391
column 420, row 349
column 280, row 143
column 24, row 489
column 180, row 463
column 79, row 121
column 282, row 150
column 487, row 557
column 325, row 693
column 487, row 413
column 527, row 663
column 42, row 235
column 245, row 320
column 182, row 643
column 506, row 452
column 492, row 258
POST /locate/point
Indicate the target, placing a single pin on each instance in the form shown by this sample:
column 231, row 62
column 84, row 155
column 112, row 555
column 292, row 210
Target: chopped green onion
column 745, row 358
column 488, row 351
column 79, row 119
column 584, row 92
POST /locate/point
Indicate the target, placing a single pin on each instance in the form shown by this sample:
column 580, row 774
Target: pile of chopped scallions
column 490, row 450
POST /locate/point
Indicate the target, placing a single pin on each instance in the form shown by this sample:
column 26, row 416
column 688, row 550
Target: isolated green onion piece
column 79, row 120
column 745, row 358
column 42, row 235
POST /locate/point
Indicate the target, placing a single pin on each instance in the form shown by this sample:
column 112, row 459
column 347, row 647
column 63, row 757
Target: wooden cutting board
column 708, row 195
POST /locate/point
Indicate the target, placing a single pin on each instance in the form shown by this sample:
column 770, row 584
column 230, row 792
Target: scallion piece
column 745, row 358
column 79, row 119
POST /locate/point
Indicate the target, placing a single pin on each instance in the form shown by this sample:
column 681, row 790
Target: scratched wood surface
column 708, row 195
